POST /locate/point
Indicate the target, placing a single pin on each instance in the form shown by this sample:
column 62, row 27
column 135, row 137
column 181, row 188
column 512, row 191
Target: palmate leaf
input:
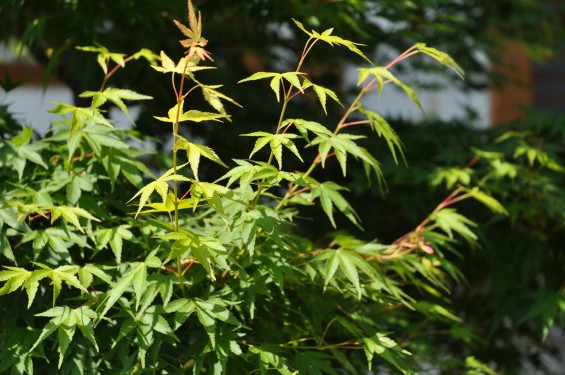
column 25, row 151
column 304, row 127
column 81, row 115
column 86, row 275
column 207, row 312
column 349, row 263
column 387, row 349
column 214, row 98
column 383, row 75
column 114, row 237
column 144, row 324
column 449, row 220
column 57, row 276
column 184, row 66
column 97, row 136
column 322, row 94
column 276, row 142
column 78, row 183
column 117, row 161
column 104, row 56
column 269, row 359
column 379, row 125
column 327, row 37
column 487, row 200
column 148, row 55
column 245, row 172
column 135, row 278
column 343, row 144
column 262, row 173
column 169, row 205
column 194, row 151
column 176, row 115
column 276, row 78
column 210, row 192
column 160, row 185
column 71, row 214
column 65, row 321
column 6, row 248
column 441, row 57
column 329, row 195
column 204, row 249
column 16, row 277
column 116, row 96
column 452, row 176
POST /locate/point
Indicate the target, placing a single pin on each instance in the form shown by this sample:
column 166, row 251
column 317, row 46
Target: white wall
column 445, row 104
column 31, row 103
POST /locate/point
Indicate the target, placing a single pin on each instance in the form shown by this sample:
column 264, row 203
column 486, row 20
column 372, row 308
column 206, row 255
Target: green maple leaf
column 116, row 96
column 160, row 185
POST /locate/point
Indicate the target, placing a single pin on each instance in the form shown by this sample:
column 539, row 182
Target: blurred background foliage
column 515, row 281
column 247, row 36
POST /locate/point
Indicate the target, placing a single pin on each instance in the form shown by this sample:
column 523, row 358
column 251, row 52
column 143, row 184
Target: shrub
column 217, row 276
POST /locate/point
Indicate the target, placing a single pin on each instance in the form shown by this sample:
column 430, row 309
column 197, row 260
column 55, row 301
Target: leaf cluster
column 148, row 261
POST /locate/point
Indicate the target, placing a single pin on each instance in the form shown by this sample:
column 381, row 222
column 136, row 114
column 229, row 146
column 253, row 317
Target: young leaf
column 65, row 320
column 14, row 278
column 184, row 66
column 160, row 185
column 389, row 350
column 268, row 359
column 276, row 141
column 212, row 193
column 342, row 144
column 291, row 77
column 136, row 277
column 177, row 114
column 383, row 129
column 104, row 56
column 441, row 57
column 212, row 96
column 349, row 263
column 148, row 55
column 304, row 126
column 116, row 96
column 194, row 151
column 208, row 311
column 450, row 221
column 322, row 93
column 71, row 214
column 332, row 39
column 114, row 236
column 383, row 75
column 57, row 276
column 329, row 195
column 26, row 151
column 81, row 115
column 487, row 200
